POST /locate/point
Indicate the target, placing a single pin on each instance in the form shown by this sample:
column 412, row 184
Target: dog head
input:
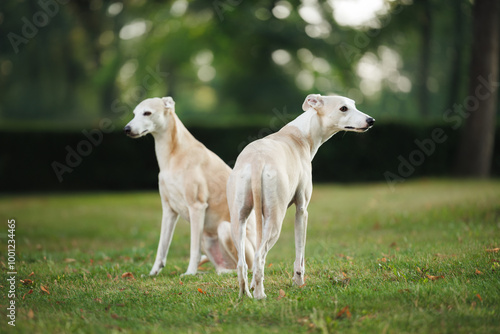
column 150, row 116
column 338, row 113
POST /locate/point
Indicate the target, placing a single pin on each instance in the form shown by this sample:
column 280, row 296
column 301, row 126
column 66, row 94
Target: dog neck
column 170, row 140
column 310, row 125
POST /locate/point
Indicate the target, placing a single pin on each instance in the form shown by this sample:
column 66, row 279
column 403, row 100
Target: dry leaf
column 201, row 291
column 282, row 294
column 434, row 278
column 99, row 300
column 382, row 260
column 493, row 250
column 69, row 260
column 303, row 285
column 44, row 289
column 31, row 315
column 344, row 311
column 479, row 297
column 478, row 272
column 269, row 265
column 27, row 281
column 32, row 273
column 28, row 293
column 128, row 275
column 115, row 316
column 181, row 283
column 109, row 276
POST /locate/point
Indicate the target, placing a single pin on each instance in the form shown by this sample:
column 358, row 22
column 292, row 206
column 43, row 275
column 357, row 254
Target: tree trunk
column 475, row 151
column 459, row 36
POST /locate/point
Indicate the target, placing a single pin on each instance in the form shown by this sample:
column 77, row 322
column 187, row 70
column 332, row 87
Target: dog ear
column 168, row 102
column 312, row 101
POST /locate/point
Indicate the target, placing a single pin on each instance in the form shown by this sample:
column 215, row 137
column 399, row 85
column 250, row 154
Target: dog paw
column 299, row 280
column 188, row 273
column 259, row 295
column 156, row 269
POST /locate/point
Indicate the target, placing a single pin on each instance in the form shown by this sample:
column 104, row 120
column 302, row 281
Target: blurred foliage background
column 71, row 62
column 67, row 65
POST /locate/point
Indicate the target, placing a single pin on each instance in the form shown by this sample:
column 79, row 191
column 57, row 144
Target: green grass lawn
column 421, row 259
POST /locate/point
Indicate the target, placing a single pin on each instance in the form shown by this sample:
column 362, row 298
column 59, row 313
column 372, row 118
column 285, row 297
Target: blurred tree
column 425, row 18
column 228, row 61
column 476, row 147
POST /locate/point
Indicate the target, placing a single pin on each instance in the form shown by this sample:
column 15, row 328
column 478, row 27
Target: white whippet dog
column 274, row 172
column 192, row 184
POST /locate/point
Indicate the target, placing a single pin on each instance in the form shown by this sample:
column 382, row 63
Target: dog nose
column 127, row 130
column 370, row 121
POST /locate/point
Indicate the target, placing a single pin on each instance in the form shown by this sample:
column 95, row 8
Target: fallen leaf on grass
column 181, row 283
column 478, row 272
column 26, row 281
column 382, row 260
column 69, row 260
column 493, row 250
column 269, row 265
column 28, row 293
column 109, row 276
column 31, row 315
column 115, row 316
column 44, row 289
column 282, row 294
column 479, row 297
column 344, row 312
column 201, row 291
column 128, row 275
column 434, row 278
column 32, row 273
column 303, row 285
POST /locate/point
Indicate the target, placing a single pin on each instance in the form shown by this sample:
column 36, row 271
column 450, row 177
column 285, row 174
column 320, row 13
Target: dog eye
column 343, row 108
column 147, row 113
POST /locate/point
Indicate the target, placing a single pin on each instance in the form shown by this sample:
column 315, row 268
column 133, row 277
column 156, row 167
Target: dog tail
column 257, row 198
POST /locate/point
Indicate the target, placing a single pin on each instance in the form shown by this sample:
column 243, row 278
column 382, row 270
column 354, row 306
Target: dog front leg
column 197, row 221
column 300, row 244
column 168, row 222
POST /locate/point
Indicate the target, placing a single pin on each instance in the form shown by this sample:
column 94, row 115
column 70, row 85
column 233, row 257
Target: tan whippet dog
column 192, row 184
column 274, row 172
